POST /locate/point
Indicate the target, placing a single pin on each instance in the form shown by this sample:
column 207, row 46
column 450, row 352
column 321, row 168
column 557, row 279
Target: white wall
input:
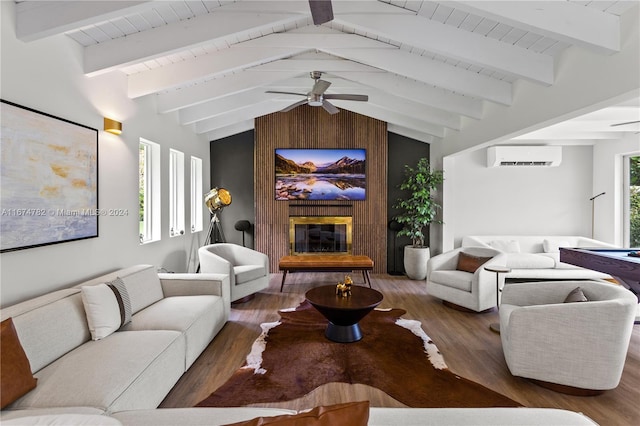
column 517, row 200
column 47, row 76
column 608, row 178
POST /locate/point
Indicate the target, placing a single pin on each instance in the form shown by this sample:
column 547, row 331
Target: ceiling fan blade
column 320, row 87
column 329, row 107
column 321, row 11
column 295, row 105
column 285, row 93
column 347, row 97
column 624, row 124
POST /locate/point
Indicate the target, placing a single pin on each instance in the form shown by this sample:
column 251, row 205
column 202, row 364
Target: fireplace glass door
column 320, row 235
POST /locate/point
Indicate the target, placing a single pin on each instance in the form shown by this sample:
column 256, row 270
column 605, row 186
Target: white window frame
column 626, row 198
column 176, row 193
column 196, row 195
column 149, row 178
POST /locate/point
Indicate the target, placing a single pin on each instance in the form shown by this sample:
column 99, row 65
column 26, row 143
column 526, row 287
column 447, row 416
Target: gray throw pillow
column 576, row 295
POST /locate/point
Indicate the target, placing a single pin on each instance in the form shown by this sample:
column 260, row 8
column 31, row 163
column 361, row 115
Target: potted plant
column 417, row 211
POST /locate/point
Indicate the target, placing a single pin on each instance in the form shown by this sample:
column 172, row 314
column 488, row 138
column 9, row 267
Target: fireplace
column 320, row 235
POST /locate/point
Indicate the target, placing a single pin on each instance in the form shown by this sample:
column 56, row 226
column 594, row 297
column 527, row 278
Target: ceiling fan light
column 315, row 99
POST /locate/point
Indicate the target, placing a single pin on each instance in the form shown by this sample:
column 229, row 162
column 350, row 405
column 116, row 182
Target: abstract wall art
column 48, row 179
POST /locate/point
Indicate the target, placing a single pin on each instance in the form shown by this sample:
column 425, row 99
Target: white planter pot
column 415, row 262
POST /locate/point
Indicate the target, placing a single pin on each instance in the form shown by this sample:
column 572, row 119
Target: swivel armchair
column 248, row 269
column 464, row 290
column 576, row 348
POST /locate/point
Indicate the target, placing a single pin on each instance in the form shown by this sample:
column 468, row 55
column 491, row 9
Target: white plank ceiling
column 423, row 64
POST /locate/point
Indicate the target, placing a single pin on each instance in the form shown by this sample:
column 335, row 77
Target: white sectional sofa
column 175, row 316
column 538, row 257
column 121, row 379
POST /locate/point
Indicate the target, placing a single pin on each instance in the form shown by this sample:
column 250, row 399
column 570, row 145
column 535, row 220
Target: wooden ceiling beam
column 36, row 20
column 239, row 115
column 232, row 129
column 418, row 92
column 561, row 20
column 211, row 89
column 178, row 36
column 201, row 67
column 437, row 38
column 432, row 72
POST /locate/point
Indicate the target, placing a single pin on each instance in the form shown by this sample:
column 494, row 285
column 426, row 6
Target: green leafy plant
column 634, row 202
column 418, row 210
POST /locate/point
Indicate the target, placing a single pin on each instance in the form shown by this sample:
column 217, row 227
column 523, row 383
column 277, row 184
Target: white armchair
column 248, row 269
column 578, row 348
column 473, row 291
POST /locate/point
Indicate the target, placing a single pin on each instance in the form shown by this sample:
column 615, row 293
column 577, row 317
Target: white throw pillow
column 106, row 308
column 512, row 246
column 553, row 246
column 530, row 261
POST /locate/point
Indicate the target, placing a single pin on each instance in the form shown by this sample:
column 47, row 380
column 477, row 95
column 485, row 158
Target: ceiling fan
column 321, row 11
column 316, row 96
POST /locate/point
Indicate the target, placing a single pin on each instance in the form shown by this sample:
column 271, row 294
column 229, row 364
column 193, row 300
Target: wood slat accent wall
column 312, row 127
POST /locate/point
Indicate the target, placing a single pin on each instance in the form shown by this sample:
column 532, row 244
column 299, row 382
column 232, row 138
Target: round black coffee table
column 343, row 313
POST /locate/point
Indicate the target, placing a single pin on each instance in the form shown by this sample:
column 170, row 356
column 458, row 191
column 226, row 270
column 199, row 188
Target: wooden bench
column 325, row 263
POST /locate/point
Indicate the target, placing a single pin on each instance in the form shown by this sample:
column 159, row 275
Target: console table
column 326, row 263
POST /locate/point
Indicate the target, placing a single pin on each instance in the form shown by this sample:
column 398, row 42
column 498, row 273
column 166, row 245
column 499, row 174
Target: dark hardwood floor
column 469, row 348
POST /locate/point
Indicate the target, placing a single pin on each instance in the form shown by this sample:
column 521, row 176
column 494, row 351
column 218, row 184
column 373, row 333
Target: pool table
column 615, row 262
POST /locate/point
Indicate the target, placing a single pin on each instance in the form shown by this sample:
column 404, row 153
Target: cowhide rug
column 395, row 355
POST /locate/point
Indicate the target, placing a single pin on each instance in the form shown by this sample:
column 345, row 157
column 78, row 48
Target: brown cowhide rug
column 394, row 355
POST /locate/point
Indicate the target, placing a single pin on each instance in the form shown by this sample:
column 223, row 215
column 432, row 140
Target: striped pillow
column 107, row 307
column 122, row 297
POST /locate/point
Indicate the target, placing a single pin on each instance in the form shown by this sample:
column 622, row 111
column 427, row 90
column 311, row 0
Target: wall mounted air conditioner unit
column 519, row 155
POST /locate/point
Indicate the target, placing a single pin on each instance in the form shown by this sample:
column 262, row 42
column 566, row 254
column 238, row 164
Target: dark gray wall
column 232, row 168
column 402, row 150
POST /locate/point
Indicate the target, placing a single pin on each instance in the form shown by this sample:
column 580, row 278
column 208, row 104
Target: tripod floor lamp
column 216, row 200
column 593, row 212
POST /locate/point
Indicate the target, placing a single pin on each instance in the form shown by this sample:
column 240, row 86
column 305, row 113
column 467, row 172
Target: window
column 149, row 191
column 632, row 201
column 176, row 193
column 196, row 194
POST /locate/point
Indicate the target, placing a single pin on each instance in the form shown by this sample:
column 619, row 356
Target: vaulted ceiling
column 423, row 64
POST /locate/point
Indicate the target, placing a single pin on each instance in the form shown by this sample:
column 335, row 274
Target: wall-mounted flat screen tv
column 320, row 174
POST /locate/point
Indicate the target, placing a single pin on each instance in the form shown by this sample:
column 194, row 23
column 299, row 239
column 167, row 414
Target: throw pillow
column 122, row 296
column 348, row 414
column 107, row 307
column 470, row 263
column 512, row 246
column 576, row 295
column 17, row 378
column 553, row 246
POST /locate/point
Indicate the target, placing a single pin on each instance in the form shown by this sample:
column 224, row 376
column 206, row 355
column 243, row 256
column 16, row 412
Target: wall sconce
column 112, row 126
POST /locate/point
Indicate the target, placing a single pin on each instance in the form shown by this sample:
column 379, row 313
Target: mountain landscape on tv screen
column 343, row 165
column 340, row 179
